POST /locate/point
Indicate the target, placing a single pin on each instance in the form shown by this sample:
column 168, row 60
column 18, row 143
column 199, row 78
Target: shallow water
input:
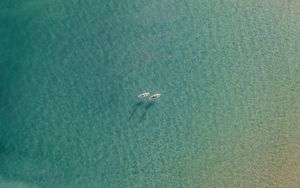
column 228, row 73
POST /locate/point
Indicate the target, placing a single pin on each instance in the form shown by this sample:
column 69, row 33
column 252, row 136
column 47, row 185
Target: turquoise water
column 228, row 73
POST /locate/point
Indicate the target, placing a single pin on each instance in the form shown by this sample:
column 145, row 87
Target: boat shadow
column 143, row 105
column 135, row 108
column 146, row 107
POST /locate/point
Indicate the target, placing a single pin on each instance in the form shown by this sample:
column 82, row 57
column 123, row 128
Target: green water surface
column 228, row 72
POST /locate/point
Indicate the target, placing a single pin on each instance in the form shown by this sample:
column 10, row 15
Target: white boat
column 142, row 95
column 154, row 97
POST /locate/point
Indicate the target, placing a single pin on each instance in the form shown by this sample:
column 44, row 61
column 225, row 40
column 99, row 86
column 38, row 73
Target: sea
column 228, row 72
